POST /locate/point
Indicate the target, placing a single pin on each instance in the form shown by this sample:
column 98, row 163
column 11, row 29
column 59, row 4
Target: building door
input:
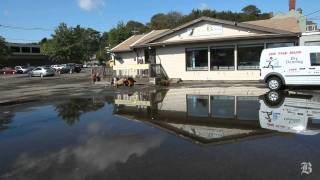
column 150, row 56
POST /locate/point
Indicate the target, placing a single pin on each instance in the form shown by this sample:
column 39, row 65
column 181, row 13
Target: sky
column 102, row 15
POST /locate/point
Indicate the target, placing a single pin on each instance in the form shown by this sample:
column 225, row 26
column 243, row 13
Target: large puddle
column 197, row 133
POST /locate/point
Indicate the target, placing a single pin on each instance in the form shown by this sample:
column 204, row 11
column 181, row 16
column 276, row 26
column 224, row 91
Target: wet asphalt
column 66, row 128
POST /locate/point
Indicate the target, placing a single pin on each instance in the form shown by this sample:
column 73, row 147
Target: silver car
column 42, row 71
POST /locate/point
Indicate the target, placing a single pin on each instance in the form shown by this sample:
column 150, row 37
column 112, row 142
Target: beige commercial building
column 204, row 49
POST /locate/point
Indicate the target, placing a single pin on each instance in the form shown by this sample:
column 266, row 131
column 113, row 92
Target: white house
column 204, row 49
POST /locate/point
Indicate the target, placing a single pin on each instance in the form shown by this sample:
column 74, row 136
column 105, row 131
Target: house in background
column 204, row 49
column 310, row 33
column 26, row 54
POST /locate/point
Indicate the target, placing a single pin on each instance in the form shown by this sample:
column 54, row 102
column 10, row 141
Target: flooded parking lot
column 183, row 133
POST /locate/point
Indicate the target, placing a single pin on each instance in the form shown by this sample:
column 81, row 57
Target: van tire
column 274, row 83
column 274, row 99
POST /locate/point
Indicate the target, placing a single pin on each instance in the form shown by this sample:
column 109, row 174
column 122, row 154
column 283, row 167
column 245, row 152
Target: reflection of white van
column 299, row 114
column 299, row 65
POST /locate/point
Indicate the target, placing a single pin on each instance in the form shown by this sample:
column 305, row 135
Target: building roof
column 271, row 27
column 286, row 24
column 125, row 45
column 137, row 40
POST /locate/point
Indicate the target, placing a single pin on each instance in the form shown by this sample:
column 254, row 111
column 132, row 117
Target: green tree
column 136, row 27
column 165, row 21
column 251, row 10
column 4, row 51
column 118, row 34
column 70, row 44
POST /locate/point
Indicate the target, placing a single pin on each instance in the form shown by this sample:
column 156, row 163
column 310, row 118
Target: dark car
column 74, row 67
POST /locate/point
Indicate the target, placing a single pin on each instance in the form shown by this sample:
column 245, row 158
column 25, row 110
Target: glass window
column 222, row 107
column 312, row 43
column 197, row 59
column 198, row 106
column 315, row 59
column 248, row 108
column 249, row 56
column 15, row 49
column 222, row 58
column 35, row 50
column 277, row 45
column 25, row 49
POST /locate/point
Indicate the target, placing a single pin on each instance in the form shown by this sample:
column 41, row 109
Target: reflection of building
column 24, row 54
column 291, row 113
column 205, row 118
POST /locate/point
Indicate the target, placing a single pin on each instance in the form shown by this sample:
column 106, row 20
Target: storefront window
column 277, row 45
column 248, row 108
column 222, row 58
column 197, row 59
column 198, row 105
column 222, row 107
column 312, row 43
column 249, row 56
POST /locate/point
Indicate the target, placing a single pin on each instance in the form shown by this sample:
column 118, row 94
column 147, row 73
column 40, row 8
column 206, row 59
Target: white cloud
column 203, row 6
column 92, row 156
column 89, row 5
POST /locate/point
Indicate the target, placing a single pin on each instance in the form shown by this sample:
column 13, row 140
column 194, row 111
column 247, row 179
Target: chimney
column 292, row 5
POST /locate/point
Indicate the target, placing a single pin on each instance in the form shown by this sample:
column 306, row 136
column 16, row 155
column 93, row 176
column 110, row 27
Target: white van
column 290, row 66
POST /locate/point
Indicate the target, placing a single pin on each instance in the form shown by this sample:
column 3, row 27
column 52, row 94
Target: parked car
column 23, row 69
column 290, row 66
column 89, row 65
column 74, row 67
column 64, row 70
column 8, row 70
column 42, row 71
column 57, row 67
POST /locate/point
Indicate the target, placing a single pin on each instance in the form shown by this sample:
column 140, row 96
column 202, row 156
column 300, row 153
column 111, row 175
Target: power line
column 25, row 28
column 313, row 13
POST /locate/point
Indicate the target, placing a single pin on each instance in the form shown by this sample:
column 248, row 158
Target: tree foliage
column 71, row 110
column 251, row 10
column 70, row 44
column 4, row 51
column 165, row 21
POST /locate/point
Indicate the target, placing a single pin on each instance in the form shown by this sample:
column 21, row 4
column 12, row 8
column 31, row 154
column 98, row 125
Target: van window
column 315, row 59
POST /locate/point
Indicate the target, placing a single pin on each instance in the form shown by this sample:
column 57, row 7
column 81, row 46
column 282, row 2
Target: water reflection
column 202, row 118
column 71, row 110
column 5, row 119
column 294, row 113
column 221, row 117
column 93, row 155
